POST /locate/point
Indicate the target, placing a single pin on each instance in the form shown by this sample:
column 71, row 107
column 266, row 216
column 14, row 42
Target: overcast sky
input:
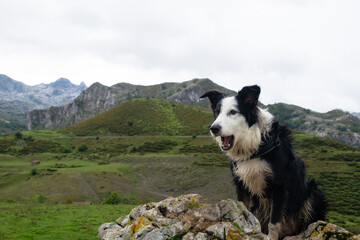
column 300, row 52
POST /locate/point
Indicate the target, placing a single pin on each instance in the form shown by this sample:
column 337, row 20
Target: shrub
column 79, row 104
column 103, row 163
column 112, row 198
column 68, row 201
column 83, row 148
column 39, row 198
column 355, row 127
column 341, row 128
column 66, row 150
column 29, row 139
column 134, row 149
column 352, row 164
column 160, row 146
column 40, row 146
column 18, row 135
column 33, row 171
column 5, row 144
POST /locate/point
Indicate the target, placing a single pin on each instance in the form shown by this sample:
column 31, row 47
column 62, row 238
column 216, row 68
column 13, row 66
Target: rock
column 237, row 213
column 323, row 230
column 186, row 217
column 190, row 217
column 108, row 230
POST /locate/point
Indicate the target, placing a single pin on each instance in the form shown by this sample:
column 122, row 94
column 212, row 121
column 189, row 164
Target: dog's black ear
column 214, row 97
column 250, row 95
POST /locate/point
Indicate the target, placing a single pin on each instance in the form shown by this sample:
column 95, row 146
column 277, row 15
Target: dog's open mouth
column 227, row 142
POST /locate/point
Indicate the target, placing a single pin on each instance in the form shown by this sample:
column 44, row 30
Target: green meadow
column 33, row 220
column 35, row 201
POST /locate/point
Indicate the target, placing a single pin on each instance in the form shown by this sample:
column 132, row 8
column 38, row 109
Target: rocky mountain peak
column 97, row 85
column 8, row 84
column 17, row 98
column 62, row 83
column 83, row 85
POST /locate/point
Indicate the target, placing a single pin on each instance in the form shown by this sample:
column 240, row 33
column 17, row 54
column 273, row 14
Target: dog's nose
column 215, row 129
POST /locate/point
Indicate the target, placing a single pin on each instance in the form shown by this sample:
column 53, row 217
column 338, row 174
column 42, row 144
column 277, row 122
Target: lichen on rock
column 323, row 230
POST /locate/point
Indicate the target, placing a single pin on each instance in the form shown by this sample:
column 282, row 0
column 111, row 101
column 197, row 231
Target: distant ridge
column 335, row 124
column 17, row 98
column 40, row 96
column 356, row 114
column 99, row 98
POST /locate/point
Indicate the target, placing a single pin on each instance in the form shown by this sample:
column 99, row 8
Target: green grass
column 181, row 164
column 350, row 222
column 49, row 221
column 336, row 168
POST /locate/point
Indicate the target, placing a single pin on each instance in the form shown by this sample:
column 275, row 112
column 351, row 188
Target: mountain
column 99, row 98
column 12, row 116
column 9, row 85
column 335, row 124
column 146, row 117
column 17, row 98
column 40, row 96
column 356, row 114
column 159, row 117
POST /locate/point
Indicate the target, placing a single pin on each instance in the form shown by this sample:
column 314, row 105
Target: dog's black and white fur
column 267, row 173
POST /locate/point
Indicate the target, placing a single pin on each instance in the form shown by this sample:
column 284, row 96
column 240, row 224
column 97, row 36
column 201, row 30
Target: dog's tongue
column 226, row 141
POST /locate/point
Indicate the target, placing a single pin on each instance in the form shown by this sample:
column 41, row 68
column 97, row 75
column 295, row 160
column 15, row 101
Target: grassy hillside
column 11, row 125
column 146, row 117
column 146, row 168
column 161, row 117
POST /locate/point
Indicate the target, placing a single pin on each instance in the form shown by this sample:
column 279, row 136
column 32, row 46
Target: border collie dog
column 268, row 175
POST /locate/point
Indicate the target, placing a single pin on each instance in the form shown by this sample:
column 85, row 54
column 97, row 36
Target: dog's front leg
column 274, row 231
column 277, row 211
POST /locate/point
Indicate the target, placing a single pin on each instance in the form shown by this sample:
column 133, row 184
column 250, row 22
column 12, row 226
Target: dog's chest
column 254, row 173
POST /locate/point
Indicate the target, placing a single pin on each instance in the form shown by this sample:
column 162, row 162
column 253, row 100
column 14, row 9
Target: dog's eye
column 233, row 112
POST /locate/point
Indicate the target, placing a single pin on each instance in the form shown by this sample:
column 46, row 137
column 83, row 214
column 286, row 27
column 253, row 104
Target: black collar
column 270, row 143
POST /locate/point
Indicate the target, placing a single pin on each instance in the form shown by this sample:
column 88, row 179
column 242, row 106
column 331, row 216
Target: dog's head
column 236, row 119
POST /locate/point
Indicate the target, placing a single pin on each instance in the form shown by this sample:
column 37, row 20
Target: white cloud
column 300, row 52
